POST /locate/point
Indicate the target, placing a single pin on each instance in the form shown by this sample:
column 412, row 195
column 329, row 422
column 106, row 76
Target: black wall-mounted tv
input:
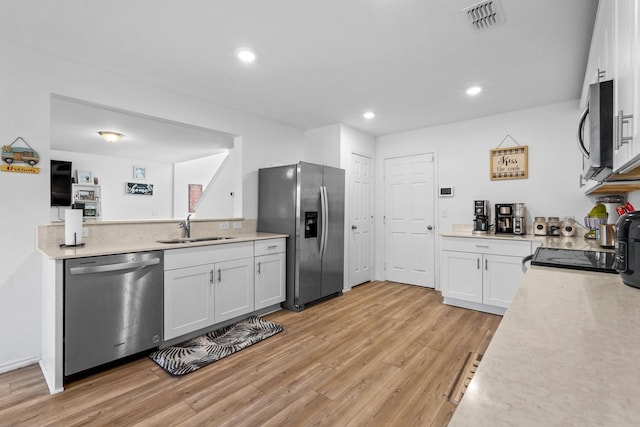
column 60, row 183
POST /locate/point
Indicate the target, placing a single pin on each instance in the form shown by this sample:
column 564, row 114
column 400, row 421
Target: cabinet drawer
column 199, row 255
column 487, row 246
column 270, row 246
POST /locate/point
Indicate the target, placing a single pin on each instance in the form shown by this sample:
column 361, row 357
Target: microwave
column 596, row 124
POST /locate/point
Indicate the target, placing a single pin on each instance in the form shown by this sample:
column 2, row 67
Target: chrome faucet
column 186, row 227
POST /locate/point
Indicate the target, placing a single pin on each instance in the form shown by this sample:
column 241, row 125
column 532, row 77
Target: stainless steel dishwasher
column 112, row 308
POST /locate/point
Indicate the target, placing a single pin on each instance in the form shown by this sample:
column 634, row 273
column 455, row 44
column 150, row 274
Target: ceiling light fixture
column 110, row 136
column 368, row 115
column 245, row 55
column 474, row 90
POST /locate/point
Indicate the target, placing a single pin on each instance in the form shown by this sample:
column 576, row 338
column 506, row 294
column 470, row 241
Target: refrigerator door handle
column 325, row 221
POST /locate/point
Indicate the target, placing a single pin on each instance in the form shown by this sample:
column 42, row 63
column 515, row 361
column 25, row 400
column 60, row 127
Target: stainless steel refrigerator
column 306, row 201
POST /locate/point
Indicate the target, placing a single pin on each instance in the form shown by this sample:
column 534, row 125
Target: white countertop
column 575, row 242
column 567, row 353
column 54, row 251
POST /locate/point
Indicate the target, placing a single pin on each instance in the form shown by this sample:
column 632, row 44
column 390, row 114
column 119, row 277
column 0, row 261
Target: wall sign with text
column 509, row 163
column 138, row 188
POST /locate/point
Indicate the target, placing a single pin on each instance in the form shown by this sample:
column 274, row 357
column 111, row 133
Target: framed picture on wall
column 195, row 192
column 85, row 177
column 139, row 172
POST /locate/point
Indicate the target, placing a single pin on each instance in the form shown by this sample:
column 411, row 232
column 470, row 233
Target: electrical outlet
column 443, row 213
column 85, row 231
column 224, row 226
column 237, row 224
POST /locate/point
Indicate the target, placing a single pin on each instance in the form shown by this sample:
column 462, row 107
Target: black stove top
column 573, row 259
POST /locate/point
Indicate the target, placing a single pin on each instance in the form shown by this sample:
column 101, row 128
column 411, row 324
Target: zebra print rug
column 181, row 359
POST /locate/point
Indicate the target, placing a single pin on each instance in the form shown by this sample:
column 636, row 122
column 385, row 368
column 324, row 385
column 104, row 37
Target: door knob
column 429, row 227
column 354, row 227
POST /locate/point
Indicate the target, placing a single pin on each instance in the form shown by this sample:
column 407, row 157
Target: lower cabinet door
column 462, row 276
column 233, row 288
column 270, row 280
column 502, row 277
column 188, row 300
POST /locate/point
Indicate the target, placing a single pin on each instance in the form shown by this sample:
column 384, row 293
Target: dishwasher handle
column 134, row 265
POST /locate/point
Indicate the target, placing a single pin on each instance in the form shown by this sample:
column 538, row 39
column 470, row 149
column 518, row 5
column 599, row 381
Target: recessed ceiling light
column 368, row 115
column 110, row 136
column 474, row 90
column 245, row 54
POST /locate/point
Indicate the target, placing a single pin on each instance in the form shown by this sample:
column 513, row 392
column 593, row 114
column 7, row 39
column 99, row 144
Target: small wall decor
column 138, row 188
column 195, row 192
column 139, row 172
column 85, row 177
column 86, row 195
column 509, row 162
column 12, row 154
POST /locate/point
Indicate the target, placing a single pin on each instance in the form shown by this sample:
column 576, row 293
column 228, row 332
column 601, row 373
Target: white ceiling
column 75, row 125
column 325, row 62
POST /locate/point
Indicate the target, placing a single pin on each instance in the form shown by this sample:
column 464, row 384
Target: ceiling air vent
column 485, row 14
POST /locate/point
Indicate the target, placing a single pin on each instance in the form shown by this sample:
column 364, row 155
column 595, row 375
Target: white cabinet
column 600, row 65
column 624, row 16
column 188, row 300
column 205, row 285
column 482, row 274
column 233, row 283
column 87, row 196
column 270, row 272
column 501, row 278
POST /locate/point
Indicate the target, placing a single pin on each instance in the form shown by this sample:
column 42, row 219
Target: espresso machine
column 504, row 218
column 481, row 217
column 519, row 225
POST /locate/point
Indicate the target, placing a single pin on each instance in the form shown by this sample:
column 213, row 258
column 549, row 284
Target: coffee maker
column 519, row 226
column 504, row 218
column 481, row 217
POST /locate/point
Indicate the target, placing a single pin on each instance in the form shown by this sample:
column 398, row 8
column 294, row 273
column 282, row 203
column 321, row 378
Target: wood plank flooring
column 383, row 354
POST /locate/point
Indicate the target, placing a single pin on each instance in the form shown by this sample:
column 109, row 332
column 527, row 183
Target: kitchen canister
column 553, row 226
column 540, row 226
column 567, row 227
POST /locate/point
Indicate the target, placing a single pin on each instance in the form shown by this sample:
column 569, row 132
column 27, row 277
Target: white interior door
column 360, row 213
column 409, row 220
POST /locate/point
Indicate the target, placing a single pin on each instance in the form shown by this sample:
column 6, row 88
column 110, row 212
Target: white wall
column 220, row 197
column 113, row 173
column 462, row 158
column 27, row 79
column 199, row 171
column 322, row 145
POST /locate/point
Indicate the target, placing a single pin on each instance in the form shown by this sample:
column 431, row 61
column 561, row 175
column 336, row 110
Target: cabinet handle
column 272, row 247
column 478, row 260
column 259, row 267
column 211, row 277
column 622, row 120
column 482, row 246
column 219, row 275
column 486, row 264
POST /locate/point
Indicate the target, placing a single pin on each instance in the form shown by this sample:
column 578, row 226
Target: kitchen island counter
column 566, row 353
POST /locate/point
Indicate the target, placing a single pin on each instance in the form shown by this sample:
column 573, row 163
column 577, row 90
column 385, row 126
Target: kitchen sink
column 193, row 239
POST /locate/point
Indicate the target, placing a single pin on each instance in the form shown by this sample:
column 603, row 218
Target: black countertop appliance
column 600, row 261
column 504, row 218
column 628, row 248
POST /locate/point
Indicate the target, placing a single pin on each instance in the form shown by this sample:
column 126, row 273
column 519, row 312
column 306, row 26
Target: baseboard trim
column 18, row 364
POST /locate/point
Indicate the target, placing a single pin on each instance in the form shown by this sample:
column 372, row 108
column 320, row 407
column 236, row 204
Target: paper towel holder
column 64, row 245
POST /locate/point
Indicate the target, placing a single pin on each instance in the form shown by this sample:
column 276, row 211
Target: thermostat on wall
column 446, row 191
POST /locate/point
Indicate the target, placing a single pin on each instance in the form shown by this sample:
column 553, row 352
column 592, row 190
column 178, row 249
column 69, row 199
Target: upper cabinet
column 624, row 146
column 600, row 64
column 615, row 54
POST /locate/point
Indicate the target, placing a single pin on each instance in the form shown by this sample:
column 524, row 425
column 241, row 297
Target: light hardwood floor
column 384, row 354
